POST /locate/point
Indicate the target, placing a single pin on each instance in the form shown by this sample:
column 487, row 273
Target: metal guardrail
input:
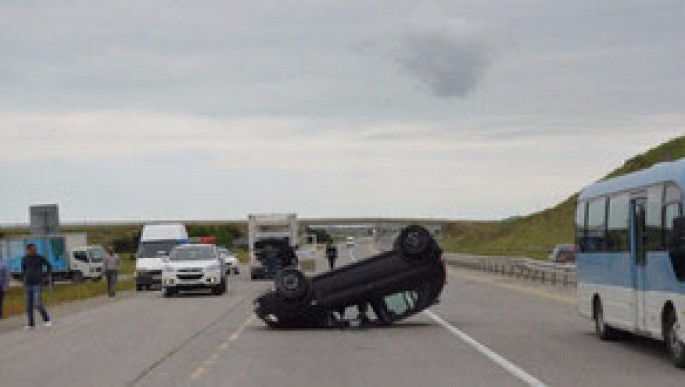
column 520, row 267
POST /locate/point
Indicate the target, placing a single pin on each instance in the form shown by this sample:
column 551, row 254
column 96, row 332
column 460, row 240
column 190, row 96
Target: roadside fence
column 563, row 274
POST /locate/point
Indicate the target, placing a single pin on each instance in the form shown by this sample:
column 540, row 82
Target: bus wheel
column 604, row 331
column 676, row 348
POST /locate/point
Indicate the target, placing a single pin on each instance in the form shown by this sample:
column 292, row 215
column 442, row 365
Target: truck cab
column 85, row 262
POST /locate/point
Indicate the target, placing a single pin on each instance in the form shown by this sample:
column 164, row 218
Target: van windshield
column 193, row 254
column 155, row 249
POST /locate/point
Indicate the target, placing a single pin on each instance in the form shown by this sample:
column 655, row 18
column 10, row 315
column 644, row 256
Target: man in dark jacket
column 4, row 282
column 32, row 272
column 331, row 254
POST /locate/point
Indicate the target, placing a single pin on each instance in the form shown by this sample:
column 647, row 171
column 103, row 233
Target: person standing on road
column 4, row 283
column 110, row 268
column 331, row 254
column 32, row 273
column 287, row 256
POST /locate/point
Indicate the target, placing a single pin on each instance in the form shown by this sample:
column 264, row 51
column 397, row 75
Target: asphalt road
column 487, row 331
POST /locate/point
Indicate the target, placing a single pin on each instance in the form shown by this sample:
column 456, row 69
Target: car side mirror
column 677, row 245
column 165, row 259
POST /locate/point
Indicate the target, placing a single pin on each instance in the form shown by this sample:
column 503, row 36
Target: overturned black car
column 376, row 291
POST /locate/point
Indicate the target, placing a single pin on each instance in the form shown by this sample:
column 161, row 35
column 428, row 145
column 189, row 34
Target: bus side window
column 596, row 225
column 653, row 221
column 581, row 229
column 618, row 239
column 672, row 209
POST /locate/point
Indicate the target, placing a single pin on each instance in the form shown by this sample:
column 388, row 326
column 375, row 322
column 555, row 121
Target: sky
column 461, row 109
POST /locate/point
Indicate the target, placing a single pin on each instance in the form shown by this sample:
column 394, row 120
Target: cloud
column 446, row 55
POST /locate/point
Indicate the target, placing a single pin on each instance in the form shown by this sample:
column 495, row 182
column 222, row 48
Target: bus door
column 638, row 257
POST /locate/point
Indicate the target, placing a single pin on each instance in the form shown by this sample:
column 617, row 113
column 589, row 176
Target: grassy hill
column 534, row 235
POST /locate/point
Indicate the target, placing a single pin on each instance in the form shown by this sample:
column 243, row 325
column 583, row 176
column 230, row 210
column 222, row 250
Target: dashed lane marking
column 205, row 366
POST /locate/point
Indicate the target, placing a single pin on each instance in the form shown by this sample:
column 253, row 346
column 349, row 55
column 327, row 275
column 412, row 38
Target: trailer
column 269, row 236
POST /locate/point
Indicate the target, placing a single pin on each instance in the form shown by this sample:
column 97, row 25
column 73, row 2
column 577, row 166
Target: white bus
column 630, row 256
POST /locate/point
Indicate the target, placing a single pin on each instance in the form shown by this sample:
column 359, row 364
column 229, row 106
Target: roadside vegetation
column 15, row 300
column 536, row 234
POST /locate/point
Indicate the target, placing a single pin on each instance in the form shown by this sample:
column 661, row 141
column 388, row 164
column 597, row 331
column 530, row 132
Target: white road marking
column 490, row 354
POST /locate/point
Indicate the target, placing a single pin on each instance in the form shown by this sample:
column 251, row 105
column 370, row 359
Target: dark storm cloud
column 450, row 60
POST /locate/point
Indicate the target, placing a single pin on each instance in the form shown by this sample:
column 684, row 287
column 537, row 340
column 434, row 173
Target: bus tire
column 603, row 330
column 676, row 348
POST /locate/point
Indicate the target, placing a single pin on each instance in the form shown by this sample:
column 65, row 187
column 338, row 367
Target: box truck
column 268, row 235
column 69, row 254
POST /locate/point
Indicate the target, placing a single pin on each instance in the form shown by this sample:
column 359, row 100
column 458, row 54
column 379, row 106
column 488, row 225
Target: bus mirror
column 678, row 238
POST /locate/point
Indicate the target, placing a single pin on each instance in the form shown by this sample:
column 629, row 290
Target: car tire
column 604, row 331
column 676, row 348
column 219, row 289
column 291, row 284
column 168, row 292
column 414, row 242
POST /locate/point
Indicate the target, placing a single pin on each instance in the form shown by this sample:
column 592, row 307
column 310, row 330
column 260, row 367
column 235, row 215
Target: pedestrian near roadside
column 32, row 273
column 331, row 254
column 110, row 268
column 4, row 283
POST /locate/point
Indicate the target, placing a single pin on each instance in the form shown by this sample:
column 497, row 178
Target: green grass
column 15, row 300
column 536, row 234
column 243, row 256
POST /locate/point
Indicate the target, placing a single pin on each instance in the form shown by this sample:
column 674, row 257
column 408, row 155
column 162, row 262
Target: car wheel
column 604, row 331
column 676, row 348
column 168, row 292
column 291, row 284
column 414, row 241
column 219, row 289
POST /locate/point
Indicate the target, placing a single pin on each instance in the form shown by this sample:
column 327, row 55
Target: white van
column 156, row 241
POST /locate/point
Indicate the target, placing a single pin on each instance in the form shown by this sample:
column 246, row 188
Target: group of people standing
column 32, row 265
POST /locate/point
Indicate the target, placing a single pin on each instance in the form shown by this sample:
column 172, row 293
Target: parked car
column 230, row 260
column 563, row 253
column 379, row 290
column 193, row 266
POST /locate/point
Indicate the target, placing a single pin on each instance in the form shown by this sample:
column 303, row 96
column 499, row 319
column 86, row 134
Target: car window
column 96, row 254
column 401, row 303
